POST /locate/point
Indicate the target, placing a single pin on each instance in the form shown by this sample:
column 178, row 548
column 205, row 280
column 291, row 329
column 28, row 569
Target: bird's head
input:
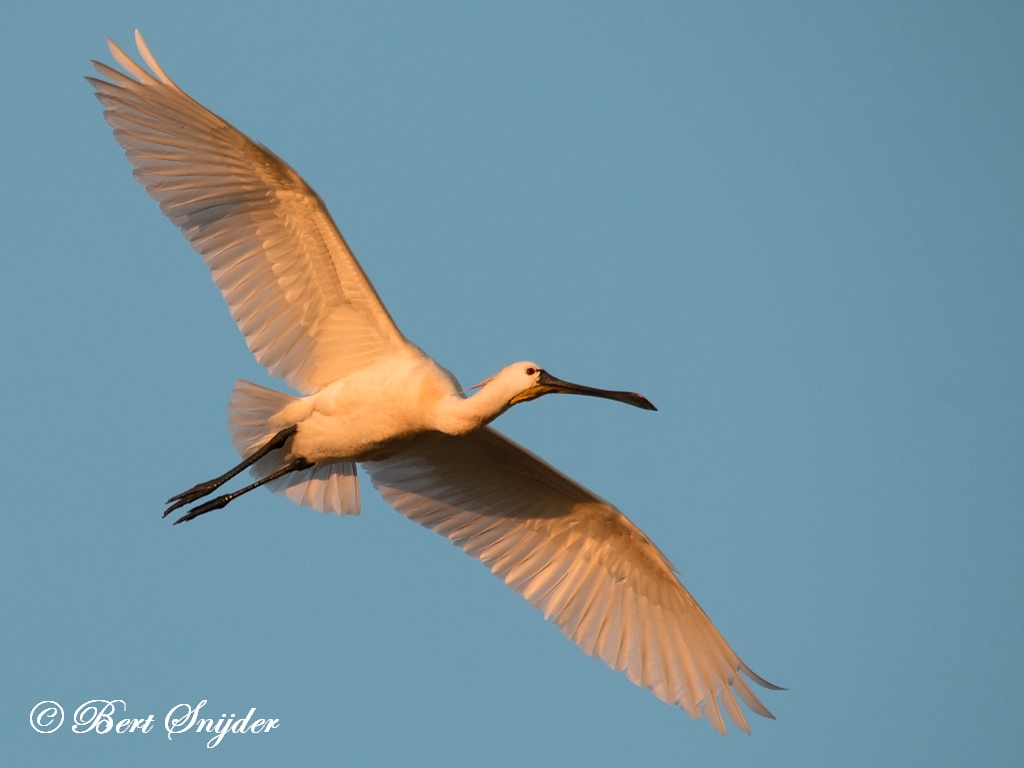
column 528, row 381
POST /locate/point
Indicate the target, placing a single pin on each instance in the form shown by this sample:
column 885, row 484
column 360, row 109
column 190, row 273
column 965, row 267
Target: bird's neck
column 458, row 415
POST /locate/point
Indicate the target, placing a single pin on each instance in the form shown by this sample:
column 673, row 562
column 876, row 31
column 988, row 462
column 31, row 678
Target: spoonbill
column 369, row 396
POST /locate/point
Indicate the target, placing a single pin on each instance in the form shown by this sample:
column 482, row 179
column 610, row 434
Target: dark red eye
column 530, row 371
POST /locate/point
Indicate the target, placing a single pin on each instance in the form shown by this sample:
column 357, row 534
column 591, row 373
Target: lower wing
column 577, row 558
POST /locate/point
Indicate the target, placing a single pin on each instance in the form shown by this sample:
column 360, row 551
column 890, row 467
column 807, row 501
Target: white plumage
column 310, row 315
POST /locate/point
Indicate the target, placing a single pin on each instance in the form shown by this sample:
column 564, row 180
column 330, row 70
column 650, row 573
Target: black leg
column 222, row 501
column 202, row 489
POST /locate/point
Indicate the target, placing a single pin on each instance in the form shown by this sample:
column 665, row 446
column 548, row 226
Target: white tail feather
column 323, row 487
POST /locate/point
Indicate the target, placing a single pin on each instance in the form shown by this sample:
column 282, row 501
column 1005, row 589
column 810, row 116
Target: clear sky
column 797, row 229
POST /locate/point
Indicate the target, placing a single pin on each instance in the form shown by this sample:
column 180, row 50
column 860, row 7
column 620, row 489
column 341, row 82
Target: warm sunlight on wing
column 575, row 557
column 307, row 311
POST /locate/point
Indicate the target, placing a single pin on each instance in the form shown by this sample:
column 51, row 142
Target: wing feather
column 306, row 308
column 574, row 557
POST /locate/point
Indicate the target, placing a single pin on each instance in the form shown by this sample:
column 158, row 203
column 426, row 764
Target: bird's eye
column 530, row 371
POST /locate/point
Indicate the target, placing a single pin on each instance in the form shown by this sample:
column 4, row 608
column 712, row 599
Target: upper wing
column 306, row 308
column 577, row 558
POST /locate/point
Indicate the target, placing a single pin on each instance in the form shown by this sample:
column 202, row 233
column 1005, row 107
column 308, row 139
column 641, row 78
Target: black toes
column 193, row 493
column 219, row 503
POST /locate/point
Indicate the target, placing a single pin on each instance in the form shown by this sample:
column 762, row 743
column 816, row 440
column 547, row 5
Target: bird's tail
column 323, row 487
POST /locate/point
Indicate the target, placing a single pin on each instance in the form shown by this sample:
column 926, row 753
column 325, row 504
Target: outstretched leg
column 222, row 501
column 202, row 489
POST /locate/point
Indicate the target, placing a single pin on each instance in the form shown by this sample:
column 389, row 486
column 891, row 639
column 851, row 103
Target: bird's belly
column 353, row 429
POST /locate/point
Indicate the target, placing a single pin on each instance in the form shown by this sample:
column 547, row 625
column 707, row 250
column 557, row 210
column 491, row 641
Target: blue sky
column 797, row 229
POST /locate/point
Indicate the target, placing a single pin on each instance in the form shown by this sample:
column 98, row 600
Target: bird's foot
column 193, row 493
column 218, row 503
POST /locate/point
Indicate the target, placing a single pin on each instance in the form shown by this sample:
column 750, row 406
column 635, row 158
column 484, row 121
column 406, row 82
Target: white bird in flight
column 310, row 316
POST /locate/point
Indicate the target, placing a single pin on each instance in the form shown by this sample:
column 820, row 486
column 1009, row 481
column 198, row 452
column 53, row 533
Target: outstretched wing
column 307, row 310
column 575, row 557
